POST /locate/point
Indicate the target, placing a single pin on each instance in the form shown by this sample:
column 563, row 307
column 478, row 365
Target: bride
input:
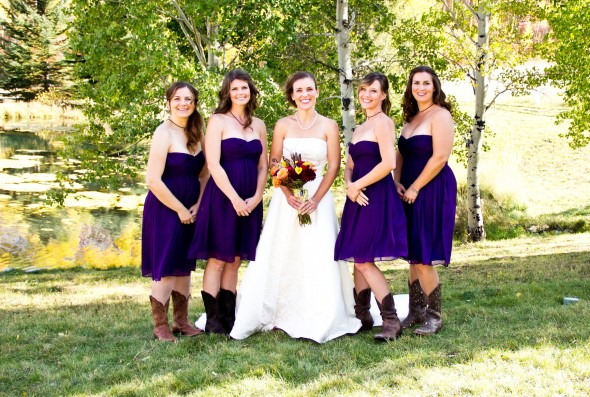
column 295, row 285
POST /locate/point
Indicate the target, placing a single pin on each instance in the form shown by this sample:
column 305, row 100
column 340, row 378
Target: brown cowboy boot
column 180, row 314
column 417, row 305
column 227, row 309
column 433, row 319
column 160, row 315
column 392, row 327
column 213, row 324
column 362, row 306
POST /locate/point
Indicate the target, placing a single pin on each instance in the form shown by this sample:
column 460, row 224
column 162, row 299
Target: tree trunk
column 345, row 69
column 475, row 225
column 212, row 58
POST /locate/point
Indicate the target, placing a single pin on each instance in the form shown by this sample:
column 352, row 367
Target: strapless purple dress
column 164, row 239
column 376, row 232
column 431, row 219
column 220, row 233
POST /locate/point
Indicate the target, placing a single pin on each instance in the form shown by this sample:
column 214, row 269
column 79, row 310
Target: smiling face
column 182, row 103
column 239, row 92
column 305, row 93
column 371, row 96
column 422, row 87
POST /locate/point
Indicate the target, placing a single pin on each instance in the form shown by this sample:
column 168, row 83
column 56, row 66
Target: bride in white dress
column 295, row 285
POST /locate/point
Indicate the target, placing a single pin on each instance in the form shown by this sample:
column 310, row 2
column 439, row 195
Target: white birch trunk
column 475, row 224
column 344, row 26
column 212, row 58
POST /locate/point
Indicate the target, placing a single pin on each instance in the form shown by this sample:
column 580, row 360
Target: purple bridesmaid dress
column 164, row 239
column 376, row 232
column 431, row 219
column 220, row 232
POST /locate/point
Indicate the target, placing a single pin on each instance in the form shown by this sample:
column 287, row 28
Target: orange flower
column 274, row 169
column 283, row 173
column 276, row 182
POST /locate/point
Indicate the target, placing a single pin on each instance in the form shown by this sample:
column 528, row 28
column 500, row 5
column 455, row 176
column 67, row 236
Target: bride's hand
column 308, row 206
column 292, row 200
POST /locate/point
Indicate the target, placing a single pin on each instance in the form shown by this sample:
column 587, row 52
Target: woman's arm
column 262, row 168
column 213, row 138
column 442, row 128
column 155, row 169
column 397, row 173
column 333, row 143
column 203, row 178
column 276, row 155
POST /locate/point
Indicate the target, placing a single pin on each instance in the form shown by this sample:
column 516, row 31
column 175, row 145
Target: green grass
column 506, row 332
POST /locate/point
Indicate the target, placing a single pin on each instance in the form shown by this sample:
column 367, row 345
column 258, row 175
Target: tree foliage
column 570, row 21
column 32, row 48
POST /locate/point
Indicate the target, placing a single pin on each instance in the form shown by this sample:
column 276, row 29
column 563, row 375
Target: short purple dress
column 220, row 232
column 376, row 232
column 431, row 219
column 164, row 239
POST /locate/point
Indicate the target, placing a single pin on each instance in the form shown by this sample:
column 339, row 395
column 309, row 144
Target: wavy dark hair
column 224, row 105
column 382, row 79
column 409, row 104
column 194, row 126
column 291, row 81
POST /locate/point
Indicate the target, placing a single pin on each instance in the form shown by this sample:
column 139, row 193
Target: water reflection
column 93, row 228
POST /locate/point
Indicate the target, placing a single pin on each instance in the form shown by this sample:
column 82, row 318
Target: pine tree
column 32, row 46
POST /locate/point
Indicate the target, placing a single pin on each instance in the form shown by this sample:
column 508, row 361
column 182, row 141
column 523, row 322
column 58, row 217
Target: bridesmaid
column 428, row 187
column 229, row 220
column 175, row 177
column 373, row 226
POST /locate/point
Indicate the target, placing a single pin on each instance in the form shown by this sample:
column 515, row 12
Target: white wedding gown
column 294, row 284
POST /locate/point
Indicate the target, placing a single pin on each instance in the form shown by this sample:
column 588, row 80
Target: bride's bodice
column 314, row 150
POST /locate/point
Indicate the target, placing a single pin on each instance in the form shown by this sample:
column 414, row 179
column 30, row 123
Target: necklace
column 429, row 106
column 179, row 126
column 373, row 115
column 312, row 123
column 237, row 119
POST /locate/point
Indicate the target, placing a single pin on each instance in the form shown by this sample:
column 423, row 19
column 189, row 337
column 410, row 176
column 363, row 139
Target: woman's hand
column 185, row 216
column 410, row 195
column 252, row 202
column 241, row 207
column 308, row 206
column 193, row 211
column 356, row 195
column 400, row 189
column 294, row 201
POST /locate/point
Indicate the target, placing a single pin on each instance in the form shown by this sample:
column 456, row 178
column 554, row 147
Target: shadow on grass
column 507, row 304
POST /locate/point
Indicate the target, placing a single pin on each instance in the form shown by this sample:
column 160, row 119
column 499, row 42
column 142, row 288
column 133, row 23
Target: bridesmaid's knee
column 215, row 265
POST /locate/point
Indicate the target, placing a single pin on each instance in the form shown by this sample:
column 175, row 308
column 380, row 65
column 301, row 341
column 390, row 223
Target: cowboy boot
column 392, row 327
column 213, row 325
column 227, row 309
column 432, row 319
column 180, row 314
column 417, row 305
column 160, row 316
column 362, row 306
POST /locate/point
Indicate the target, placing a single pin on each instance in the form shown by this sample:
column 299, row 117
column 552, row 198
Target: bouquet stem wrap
column 304, row 219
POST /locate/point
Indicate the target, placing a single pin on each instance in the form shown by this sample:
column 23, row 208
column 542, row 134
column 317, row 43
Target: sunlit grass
column 23, row 111
column 506, row 332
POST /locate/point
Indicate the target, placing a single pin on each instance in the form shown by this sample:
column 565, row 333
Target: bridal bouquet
column 294, row 173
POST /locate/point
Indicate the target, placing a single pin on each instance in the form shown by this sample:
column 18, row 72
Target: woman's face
column 182, row 103
column 422, row 87
column 239, row 92
column 305, row 93
column 371, row 96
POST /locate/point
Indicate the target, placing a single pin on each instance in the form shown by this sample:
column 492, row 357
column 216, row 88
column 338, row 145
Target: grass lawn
column 506, row 332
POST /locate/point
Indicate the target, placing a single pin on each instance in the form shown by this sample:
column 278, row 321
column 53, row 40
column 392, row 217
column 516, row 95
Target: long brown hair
column 291, row 81
column 409, row 104
column 382, row 79
column 224, row 105
column 194, row 125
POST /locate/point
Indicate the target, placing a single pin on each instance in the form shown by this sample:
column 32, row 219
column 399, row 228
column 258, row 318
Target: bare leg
column 162, row 289
column 428, row 277
column 360, row 283
column 212, row 276
column 413, row 273
column 229, row 275
column 374, row 279
column 182, row 285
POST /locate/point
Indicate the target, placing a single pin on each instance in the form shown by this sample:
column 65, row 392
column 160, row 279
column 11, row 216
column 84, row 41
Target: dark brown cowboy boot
column 227, row 309
column 160, row 315
column 392, row 327
column 417, row 305
column 213, row 325
column 433, row 319
column 180, row 314
column 362, row 306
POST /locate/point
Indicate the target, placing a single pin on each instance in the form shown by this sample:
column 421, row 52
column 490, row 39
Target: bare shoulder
column 441, row 115
column 162, row 132
column 283, row 124
column 258, row 123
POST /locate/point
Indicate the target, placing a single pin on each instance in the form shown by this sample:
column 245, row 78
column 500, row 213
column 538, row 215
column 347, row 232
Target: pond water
column 95, row 229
